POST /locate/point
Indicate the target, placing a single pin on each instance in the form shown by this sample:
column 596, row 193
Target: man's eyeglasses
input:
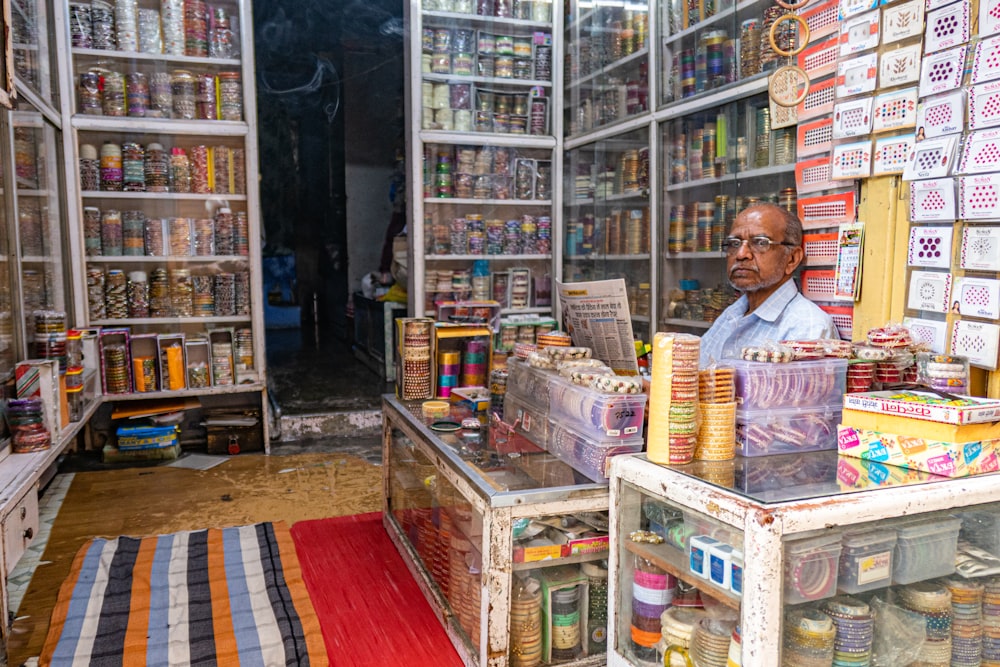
column 758, row 244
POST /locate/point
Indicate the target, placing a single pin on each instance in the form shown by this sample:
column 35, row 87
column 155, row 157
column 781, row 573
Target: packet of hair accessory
column 584, row 376
column 770, row 352
column 892, row 335
column 946, row 372
column 588, row 363
column 617, row 384
column 866, row 352
column 899, row 634
column 561, row 353
column 540, row 360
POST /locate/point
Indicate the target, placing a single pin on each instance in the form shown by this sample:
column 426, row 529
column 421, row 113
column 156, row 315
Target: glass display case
column 32, row 33
column 608, row 230
column 164, row 163
column 480, row 161
column 607, row 64
column 508, row 543
column 717, row 559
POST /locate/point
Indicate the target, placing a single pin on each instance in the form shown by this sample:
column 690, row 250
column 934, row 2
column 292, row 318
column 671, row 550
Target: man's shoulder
column 806, row 320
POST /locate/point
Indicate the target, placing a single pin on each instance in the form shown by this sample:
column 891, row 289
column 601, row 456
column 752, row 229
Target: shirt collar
column 771, row 309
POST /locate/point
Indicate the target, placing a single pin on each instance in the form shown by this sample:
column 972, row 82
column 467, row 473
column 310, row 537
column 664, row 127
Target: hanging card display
column 980, row 249
column 979, row 197
column 932, row 201
column 977, row 341
column 929, row 290
column 933, row 333
column 981, row 152
column 930, row 247
column 820, row 59
column 891, row 153
column 814, row 174
column 986, row 60
column 823, row 19
column 902, row 21
column 984, row 105
column 899, row 67
column 826, row 210
column 859, row 33
column 978, row 297
column 857, row 75
column 931, row 158
column 814, row 137
column 849, row 8
column 938, row 116
column 819, row 100
column 782, row 116
column 853, row 160
column 989, row 17
column 942, row 71
column 895, row 110
column 947, row 27
column 852, row 118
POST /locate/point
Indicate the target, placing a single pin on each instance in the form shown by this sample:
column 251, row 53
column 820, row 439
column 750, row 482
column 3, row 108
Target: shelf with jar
column 606, row 76
column 485, row 78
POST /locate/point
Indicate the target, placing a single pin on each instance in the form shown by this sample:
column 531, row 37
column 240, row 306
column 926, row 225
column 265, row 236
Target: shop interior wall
column 306, row 68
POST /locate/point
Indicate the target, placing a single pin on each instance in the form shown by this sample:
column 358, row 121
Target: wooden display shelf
column 105, row 54
column 673, row 562
column 173, row 196
column 184, row 393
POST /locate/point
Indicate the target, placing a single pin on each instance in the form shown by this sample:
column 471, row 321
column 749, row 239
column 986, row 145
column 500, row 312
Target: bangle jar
column 182, row 90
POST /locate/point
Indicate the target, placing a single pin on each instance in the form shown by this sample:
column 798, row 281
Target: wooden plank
column 673, row 562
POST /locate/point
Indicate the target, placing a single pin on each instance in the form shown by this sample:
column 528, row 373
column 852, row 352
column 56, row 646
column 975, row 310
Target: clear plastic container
column 982, row 529
column 866, row 560
column 600, row 416
column 526, row 419
column 766, row 386
column 589, row 457
column 764, row 432
column 925, row 548
column 528, row 381
column 811, row 567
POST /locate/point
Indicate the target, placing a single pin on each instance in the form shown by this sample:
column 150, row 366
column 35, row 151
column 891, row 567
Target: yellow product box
column 951, row 459
column 920, row 428
column 476, row 399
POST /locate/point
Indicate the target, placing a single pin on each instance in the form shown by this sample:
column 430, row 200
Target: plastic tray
column 811, row 567
column 765, row 386
column 925, row 549
column 589, row 457
column 526, row 419
column 600, row 416
column 866, row 560
column 763, row 432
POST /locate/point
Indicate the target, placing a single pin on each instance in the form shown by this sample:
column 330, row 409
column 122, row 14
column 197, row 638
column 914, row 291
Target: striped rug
column 207, row 597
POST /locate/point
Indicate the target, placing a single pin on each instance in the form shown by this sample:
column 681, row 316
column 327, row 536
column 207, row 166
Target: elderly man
column 763, row 250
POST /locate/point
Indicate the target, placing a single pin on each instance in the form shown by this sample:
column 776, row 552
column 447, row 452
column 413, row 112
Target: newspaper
column 596, row 315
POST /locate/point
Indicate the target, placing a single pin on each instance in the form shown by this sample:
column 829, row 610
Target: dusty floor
column 301, row 480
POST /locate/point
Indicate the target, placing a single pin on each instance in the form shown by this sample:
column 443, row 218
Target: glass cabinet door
column 607, row 64
column 37, row 200
column 716, row 162
column 607, row 218
column 32, row 32
column 8, row 337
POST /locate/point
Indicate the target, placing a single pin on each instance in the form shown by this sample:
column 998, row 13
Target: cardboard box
column 105, row 339
column 144, row 346
column 453, row 338
column 864, row 474
column 926, row 406
column 40, row 378
column 920, row 428
column 172, row 360
column 950, row 459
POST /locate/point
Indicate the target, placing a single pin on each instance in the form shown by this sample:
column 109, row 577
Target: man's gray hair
column 793, row 226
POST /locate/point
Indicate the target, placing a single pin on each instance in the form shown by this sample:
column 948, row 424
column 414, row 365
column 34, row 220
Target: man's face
column 752, row 270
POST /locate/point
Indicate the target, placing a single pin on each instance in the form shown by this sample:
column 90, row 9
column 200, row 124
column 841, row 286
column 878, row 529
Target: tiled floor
column 48, row 507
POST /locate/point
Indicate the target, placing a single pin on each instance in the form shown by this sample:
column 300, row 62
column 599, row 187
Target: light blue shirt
column 786, row 315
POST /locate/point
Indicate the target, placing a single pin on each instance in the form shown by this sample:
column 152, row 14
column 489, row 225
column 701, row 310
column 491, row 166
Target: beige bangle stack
column 716, row 415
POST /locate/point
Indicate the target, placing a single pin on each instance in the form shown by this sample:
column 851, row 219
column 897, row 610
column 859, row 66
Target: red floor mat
column 371, row 610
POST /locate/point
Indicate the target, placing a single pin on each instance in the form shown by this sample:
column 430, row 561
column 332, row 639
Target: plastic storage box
column 599, row 416
column 811, row 568
column 766, row 386
column 866, row 560
column 528, row 381
column 586, row 455
column 763, row 432
column 982, row 529
column 526, row 419
column 925, row 548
